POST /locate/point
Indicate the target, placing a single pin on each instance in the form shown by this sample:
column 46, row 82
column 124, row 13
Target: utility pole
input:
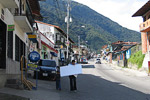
column 68, row 17
column 79, row 46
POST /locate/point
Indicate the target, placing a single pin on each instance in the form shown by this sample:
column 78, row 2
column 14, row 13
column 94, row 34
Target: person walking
column 58, row 82
column 72, row 78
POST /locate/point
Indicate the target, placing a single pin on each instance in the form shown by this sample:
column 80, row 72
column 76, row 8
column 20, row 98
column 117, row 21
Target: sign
column 34, row 56
column 148, row 67
column 32, row 66
column 32, row 36
column 70, row 70
column 61, row 46
column 67, row 43
column 10, row 27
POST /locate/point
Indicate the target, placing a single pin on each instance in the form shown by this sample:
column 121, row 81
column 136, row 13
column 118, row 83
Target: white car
column 98, row 61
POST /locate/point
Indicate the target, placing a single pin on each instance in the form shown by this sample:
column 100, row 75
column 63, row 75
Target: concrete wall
column 3, row 77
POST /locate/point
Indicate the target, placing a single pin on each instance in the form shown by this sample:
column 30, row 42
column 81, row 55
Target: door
column 2, row 45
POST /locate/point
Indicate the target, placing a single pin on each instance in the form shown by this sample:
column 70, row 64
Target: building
column 144, row 12
column 121, row 51
column 16, row 19
column 57, row 45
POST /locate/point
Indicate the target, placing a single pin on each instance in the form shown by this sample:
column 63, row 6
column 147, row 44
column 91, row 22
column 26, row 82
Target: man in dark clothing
column 72, row 78
column 58, row 84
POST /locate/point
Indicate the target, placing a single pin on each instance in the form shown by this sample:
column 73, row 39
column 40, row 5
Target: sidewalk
column 132, row 72
column 46, row 91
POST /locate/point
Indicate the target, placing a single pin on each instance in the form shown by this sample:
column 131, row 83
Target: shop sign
column 10, row 27
column 32, row 66
column 61, row 46
column 34, row 56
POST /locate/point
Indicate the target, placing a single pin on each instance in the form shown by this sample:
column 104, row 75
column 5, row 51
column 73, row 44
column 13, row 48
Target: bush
column 137, row 58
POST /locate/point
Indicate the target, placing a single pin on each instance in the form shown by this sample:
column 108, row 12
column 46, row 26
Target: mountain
column 98, row 31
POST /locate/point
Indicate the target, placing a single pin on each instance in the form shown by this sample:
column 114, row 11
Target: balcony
column 24, row 19
column 59, row 43
column 145, row 26
column 23, row 23
column 10, row 3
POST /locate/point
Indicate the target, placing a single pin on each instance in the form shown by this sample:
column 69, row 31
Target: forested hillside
column 98, row 31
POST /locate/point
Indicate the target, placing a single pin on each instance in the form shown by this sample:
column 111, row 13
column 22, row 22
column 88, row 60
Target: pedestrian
column 58, row 82
column 72, row 78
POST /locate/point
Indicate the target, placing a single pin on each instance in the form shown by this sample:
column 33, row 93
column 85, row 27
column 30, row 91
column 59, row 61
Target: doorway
column 2, row 45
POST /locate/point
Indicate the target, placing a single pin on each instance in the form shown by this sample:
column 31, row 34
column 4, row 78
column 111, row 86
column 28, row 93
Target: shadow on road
column 4, row 96
column 88, row 66
column 92, row 87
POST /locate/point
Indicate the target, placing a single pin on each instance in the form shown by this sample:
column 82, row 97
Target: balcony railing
column 61, row 43
column 25, row 20
column 145, row 26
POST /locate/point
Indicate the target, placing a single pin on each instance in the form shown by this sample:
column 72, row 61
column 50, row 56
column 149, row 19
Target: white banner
column 70, row 70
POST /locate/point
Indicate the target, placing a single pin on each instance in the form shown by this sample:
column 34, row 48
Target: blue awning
column 53, row 54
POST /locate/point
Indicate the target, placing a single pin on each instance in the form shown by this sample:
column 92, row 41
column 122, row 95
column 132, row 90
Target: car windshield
column 47, row 63
column 98, row 59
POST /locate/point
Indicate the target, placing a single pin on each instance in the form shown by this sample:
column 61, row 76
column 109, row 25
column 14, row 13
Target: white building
column 57, row 39
column 15, row 21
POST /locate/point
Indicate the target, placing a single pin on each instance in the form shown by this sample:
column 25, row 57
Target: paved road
column 102, row 82
column 98, row 82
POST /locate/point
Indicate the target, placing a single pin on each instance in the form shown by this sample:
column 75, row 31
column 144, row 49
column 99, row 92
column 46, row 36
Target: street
column 106, row 83
column 98, row 82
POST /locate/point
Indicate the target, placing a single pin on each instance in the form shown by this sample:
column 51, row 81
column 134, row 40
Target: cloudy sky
column 120, row 11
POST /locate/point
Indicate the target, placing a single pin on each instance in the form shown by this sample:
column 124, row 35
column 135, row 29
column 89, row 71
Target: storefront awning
column 53, row 54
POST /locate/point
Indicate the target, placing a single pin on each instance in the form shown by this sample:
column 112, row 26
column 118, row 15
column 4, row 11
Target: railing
column 61, row 43
column 27, row 13
column 145, row 25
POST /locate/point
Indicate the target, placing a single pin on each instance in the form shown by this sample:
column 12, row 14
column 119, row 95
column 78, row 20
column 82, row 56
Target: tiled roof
column 105, row 46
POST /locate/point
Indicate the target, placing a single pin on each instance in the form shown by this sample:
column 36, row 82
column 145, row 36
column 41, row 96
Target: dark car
column 47, row 68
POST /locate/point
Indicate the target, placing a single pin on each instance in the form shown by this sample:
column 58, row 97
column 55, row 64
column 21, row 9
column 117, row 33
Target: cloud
column 120, row 11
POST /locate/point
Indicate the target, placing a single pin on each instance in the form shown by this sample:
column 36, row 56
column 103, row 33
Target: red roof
column 122, row 42
column 105, row 46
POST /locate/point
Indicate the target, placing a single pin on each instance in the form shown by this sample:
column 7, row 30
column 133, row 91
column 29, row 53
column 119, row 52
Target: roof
column 35, row 8
column 142, row 10
column 58, row 28
column 105, row 46
column 123, row 46
column 125, row 43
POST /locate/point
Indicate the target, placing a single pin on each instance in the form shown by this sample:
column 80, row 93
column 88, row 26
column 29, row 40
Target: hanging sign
column 34, row 56
column 10, row 27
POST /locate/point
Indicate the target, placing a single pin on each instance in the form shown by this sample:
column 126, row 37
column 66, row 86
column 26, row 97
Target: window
column 19, row 48
column 10, row 44
column 53, row 37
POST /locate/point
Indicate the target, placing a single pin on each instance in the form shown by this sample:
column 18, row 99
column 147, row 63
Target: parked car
column 98, row 61
column 84, row 60
column 47, row 68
